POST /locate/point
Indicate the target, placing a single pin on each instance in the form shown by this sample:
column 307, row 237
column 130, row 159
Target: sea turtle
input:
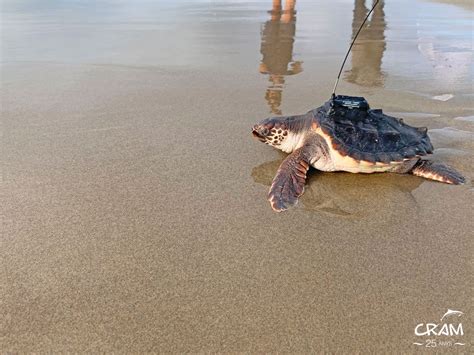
column 346, row 135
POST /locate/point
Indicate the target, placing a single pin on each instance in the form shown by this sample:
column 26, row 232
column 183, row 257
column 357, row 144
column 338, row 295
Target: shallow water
column 136, row 216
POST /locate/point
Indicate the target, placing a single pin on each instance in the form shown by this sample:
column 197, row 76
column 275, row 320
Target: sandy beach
column 135, row 215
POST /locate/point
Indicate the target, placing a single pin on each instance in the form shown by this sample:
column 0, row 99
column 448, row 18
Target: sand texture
column 135, row 216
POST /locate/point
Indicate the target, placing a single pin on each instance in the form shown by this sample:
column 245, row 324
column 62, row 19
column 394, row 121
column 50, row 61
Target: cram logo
column 442, row 332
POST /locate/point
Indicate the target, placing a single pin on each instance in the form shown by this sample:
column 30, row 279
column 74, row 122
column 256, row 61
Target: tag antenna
column 353, row 41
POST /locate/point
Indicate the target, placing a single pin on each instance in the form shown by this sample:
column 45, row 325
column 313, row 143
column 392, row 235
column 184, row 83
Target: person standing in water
column 278, row 36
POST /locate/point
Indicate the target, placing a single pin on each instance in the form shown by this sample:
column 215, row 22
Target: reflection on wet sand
column 278, row 36
column 368, row 50
column 349, row 195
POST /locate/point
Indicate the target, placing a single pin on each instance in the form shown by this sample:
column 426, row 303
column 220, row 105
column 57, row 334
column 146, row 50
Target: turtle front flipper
column 289, row 181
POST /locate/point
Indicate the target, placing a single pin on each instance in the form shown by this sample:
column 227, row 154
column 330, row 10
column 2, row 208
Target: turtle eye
column 260, row 132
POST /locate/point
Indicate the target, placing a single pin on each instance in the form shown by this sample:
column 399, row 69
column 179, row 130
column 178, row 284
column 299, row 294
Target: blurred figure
column 369, row 47
column 278, row 35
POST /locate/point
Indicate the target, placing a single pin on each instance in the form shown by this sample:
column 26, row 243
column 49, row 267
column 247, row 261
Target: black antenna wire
column 353, row 41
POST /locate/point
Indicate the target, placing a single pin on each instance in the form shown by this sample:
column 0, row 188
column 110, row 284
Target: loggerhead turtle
column 346, row 135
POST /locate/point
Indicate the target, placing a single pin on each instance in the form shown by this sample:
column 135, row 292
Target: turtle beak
column 256, row 133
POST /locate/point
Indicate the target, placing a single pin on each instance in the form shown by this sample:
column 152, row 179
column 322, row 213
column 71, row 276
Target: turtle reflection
column 277, row 51
column 368, row 50
column 350, row 195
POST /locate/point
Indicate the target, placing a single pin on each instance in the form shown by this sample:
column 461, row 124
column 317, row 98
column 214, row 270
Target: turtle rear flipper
column 437, row 171
column 289, row 181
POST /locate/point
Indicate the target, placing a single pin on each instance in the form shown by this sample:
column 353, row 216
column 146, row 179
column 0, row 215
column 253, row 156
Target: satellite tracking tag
column 350, row 102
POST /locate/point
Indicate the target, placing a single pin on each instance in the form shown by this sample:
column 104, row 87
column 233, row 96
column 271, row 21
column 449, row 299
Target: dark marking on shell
column 408, row 152
column 383, row 157
column 419, row 150
column 355, row 154
column 395, row 156
column 369, row 157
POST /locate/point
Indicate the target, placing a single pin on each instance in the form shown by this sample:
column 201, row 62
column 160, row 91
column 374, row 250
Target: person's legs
column 289, row 12
column 276, row 10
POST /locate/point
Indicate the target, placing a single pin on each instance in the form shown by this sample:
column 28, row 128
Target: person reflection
column 277, row 51
column 369, row 47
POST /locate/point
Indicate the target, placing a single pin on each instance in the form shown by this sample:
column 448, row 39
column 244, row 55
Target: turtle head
column 272, row 131
column 279, row 132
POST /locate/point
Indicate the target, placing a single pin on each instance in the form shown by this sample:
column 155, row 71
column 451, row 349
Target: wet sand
column 135, row 211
